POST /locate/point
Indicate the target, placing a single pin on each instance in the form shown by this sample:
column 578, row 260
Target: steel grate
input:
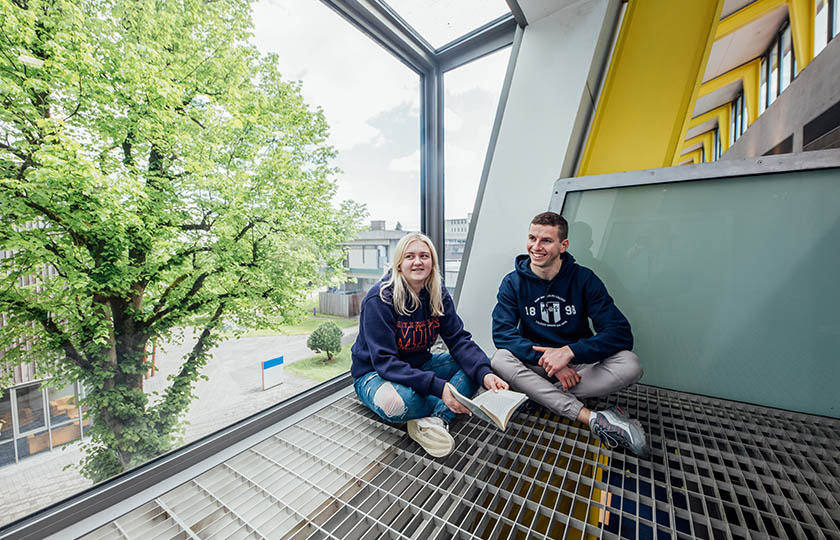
column 719, row 470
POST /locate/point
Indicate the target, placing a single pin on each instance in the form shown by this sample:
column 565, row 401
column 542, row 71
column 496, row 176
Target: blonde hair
column 405, row 300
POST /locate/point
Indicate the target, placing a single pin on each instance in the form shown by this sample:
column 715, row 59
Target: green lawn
column 307, row 325
column 316, row 367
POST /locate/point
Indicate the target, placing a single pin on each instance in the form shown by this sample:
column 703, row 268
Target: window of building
column 778, row 66
column 7, row 451
column 786, row 55
column 773, row 74
column 822, row 21
column 826, row 23
column 29, row 424
column 762, row 86
column 739, row 118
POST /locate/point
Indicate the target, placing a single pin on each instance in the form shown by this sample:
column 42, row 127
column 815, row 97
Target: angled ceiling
column 731, row 51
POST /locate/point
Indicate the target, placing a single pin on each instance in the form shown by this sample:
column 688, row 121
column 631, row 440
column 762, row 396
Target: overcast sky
column 371, row 101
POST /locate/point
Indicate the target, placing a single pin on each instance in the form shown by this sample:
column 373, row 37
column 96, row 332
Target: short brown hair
column 555, row 220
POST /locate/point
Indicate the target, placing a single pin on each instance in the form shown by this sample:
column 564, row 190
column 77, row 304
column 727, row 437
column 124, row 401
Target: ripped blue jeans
column 396, row 402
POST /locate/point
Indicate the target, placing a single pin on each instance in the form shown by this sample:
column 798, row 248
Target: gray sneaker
column 614, row 428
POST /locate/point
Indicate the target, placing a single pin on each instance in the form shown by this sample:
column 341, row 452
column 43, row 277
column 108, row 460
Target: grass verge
column 318, row 369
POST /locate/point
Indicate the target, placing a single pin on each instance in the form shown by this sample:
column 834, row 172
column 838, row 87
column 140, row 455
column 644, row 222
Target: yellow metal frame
column 723, row 114
column 695, row 157
column 800, row 12
column 651, row 85
column 746, row 15
column 708, row 140
column 801, row 15
column 750, row 76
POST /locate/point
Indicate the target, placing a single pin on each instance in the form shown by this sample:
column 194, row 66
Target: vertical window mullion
column 778, row 64
column 15, row 423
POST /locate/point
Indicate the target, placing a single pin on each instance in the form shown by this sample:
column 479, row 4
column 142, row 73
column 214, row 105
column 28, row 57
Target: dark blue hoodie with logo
column 533, row 311
column 396, row 346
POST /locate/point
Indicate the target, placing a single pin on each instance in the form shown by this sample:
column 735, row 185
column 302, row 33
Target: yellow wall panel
column 651, row 84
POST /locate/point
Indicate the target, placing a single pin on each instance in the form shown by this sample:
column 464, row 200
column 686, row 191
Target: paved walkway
column 233, row 391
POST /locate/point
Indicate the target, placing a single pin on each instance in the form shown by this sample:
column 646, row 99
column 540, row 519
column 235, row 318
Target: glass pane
column 835, row 27
column 774, row 73
column 744, row 120
column 733, row 133
column 371, row 108
column 471, row 95
column 703, row 271
column 6, row 415
column 32, row 444
column 762, row 89
column 442, row 21
column 820, row 26
column 370, row 99
column 7, row 453
column 65, row 434
column 30, row 408
column 787, row 59
column 63, row 404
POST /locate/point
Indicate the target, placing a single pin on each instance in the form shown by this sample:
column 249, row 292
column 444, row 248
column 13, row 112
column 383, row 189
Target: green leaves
column 155, row 173
column 326, row 338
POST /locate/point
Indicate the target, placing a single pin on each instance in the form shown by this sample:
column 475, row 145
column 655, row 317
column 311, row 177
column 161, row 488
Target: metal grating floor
column 719, row 470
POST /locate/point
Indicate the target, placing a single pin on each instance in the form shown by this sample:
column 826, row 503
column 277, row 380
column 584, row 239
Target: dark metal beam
column 480, row 42
column 387, row 29
column 431, row 167
column 517, row 12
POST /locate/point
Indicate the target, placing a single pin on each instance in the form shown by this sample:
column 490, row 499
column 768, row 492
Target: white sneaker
column 432, row 434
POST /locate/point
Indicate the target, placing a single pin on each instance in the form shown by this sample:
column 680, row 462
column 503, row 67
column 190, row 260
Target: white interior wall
column 542, row 116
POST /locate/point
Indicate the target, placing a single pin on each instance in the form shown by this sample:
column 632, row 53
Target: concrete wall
column 549, row 94
column 815, row 89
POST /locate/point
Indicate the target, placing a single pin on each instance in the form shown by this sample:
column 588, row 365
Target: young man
column 545, row 346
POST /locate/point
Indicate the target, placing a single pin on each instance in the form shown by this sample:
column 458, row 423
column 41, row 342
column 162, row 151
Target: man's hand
column 553, row 360
column 453, row 404
column 493, row 382
column 568, row 377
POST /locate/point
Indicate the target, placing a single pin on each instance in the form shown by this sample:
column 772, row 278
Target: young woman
column 394, row 372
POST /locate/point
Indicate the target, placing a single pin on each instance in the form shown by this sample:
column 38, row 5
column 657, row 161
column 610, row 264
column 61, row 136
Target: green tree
column 326, row 338
column 170, row 177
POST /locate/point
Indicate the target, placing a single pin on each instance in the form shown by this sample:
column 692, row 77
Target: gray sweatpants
column 599, row 379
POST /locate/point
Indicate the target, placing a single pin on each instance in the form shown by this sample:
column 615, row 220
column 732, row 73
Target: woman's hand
column 453, row 404
column 494, row 382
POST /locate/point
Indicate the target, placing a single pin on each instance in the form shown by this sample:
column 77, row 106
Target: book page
column 500, row 404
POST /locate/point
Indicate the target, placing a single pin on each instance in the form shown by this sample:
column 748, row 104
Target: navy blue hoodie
column 396, row 346
column 532, row 311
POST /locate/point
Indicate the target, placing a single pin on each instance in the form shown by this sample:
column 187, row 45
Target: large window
column 471, row 96
column 739, row 118
column 369, row 91
column 826, row 23
column 442, row 21
column 35, row 419
column 371, row 104
column 778, row 66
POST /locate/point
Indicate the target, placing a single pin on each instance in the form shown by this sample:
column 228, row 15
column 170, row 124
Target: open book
column 493, row 406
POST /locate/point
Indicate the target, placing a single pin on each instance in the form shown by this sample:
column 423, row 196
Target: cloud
column 408, row 164
column 352, row 78
column 451, row 120
column 487, row 73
